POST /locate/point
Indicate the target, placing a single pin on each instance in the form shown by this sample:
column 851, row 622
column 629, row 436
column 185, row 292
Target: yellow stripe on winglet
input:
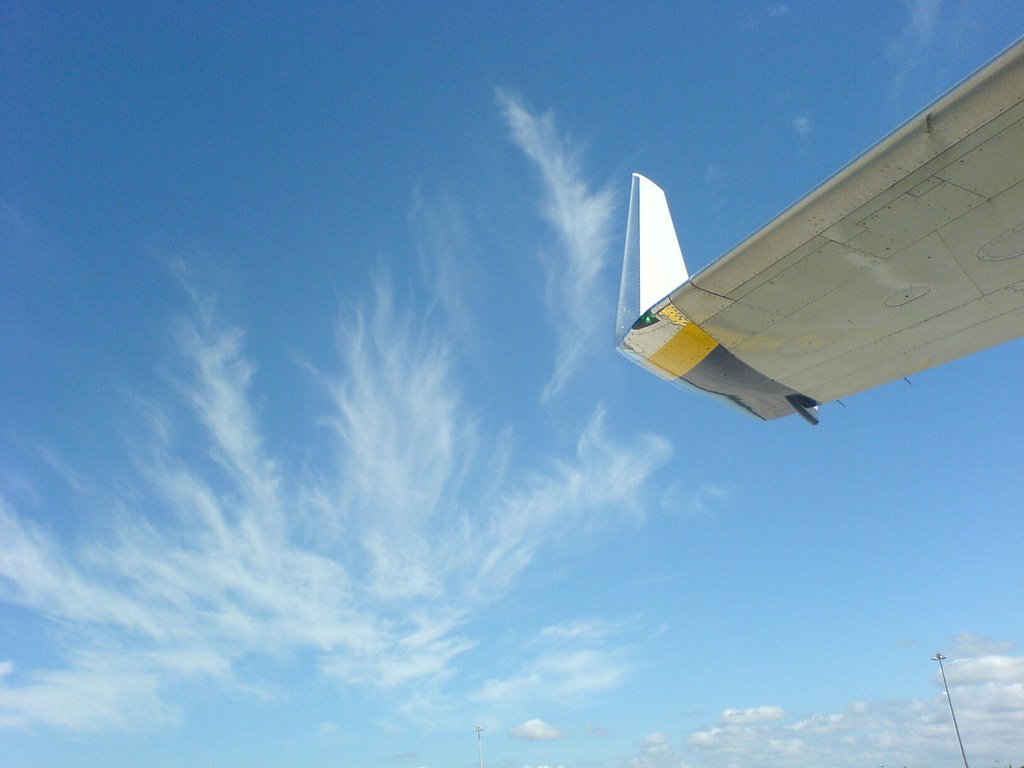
column 682, row 352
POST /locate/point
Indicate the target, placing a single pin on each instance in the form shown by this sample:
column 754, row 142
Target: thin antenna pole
column 480, row 743
column 939, row 658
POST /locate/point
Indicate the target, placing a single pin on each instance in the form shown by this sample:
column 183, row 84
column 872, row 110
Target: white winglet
column 661, row 259
column 653, row 262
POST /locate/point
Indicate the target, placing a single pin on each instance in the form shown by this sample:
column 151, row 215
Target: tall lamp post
column 480, row 743
column 939, row 658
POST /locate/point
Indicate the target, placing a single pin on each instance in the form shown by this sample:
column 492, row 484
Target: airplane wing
column 911, row 256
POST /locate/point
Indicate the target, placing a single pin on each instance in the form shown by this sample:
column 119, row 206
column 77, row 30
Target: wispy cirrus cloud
column 98, row 690
column 367, row 562
column 580, row 214
column 564, row 663
column 593, row 629
column 911, row 48
column 768, row 14
column 708, row 498
column 562, row 675
column 445, row 247
column 218, row 553
column 803, row 126
column 716, row 182
column 922, row 17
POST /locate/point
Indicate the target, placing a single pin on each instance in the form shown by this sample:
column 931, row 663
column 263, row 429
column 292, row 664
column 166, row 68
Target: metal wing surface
column 911, row 256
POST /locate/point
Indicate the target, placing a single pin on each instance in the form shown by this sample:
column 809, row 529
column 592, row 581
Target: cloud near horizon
column 752, row 715
column 537, row 730
column 988, row 689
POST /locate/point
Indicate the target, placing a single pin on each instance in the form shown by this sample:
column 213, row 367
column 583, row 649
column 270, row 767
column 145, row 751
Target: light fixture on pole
column 939, row 658
column 480, row 743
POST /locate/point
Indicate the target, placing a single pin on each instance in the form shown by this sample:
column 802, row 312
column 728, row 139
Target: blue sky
column 314, row 449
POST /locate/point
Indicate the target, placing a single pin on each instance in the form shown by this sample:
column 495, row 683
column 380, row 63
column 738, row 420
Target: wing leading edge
column 911, row 256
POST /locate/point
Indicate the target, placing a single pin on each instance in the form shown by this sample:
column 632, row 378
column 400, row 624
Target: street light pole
column 939, row 658
column 480, row 743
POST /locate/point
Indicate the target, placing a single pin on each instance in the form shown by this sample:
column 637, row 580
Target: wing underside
column 910, row 257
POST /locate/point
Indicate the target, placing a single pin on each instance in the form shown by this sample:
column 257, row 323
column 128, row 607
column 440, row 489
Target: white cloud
column 565, row 663
column 765, row 15
column 98, row 691
column 591, row 629
column 654, row 751
column 803, row 126
column 217, row 554
column 706, row 499
column 919, row 30
column 581, row 216
column 561, row 676
column 537, row 730
column 657, row 742
column 327, row 729
column 752, row 715
column 911, row 48
column 986, row 669
column 922, row 16
column 717, row 182
column 988, row 692
column 968, row 644
column 446, row 250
